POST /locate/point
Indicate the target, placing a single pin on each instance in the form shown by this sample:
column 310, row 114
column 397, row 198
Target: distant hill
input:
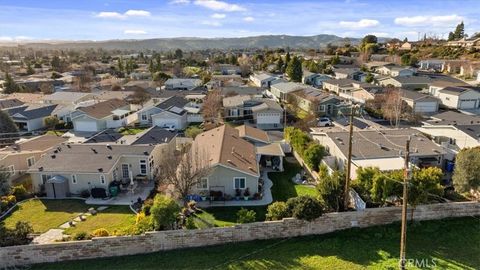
column 186, row 44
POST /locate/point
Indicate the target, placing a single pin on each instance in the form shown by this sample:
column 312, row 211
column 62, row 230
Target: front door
column 125, row 172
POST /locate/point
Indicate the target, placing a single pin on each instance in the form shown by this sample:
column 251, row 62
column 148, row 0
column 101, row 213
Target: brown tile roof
column 40, row 143
column 104, row 108
column 253, row 133
column 223, row 145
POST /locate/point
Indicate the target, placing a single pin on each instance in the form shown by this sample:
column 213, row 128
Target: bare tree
column 393, row 107
column 212, row 105
column 185, row 170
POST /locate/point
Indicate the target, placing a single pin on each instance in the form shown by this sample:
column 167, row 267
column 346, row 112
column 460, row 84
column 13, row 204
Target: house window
column 74, row 179
column 125, row 171
column 322, row 108
column 203, row 183
column 143, row 167
column 11, row 169
column 102, row 179
column 30, row 161
column 144, row 117
column 239, row 182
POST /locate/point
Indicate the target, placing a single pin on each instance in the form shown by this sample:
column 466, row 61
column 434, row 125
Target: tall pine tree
column 294, row 70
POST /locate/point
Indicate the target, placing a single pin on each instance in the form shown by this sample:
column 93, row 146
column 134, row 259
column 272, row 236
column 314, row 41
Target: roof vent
column 53, row 156
column 109, row 146
column 55, row 151
column 69, row 146
column 229, row 161
column 109, row 157
column 145, row 153
column 94, row 150
column 100, row 169
column 40, row 169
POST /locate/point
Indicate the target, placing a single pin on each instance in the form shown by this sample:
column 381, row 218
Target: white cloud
column 219, row 5
column 134, row 32
column 110, row 15
column 16, row 38
column 379, row 34
column 128, row 13
column 212, row 23
column 363, row 23
column 137, row 13
column 428, row 20
column 180, row 2
column 249, row 19
column 218, row 16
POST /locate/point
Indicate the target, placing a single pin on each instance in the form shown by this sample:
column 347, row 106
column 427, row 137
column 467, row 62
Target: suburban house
column 232, row 161
column 420, row 103
column 67, row 98
column 350, row 73
column 380, row 149
column 406, row 46
column 281, row 90
column 317, row 102
column 19, row 157
column 464, row 42
column 431, row 64
column 170, row 112
column 242, row 90
column 71, row 169
column 6, row 104
column 395, row 71
column 31, row 117
column 334, row 85
column 106, row 114
column 182, row 84
column 218, row 81
column 314, row 79
column 262, row 79
column 457, row 97
column 227, row 69
column 452, row 118
column 264, row 113
column 406, row 82
column 453, row 137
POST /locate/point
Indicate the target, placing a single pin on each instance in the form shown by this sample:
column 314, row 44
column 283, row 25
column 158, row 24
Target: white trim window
column 30, row 161
column 102, row 179
column 202, row 183
column 239, row 182
column 74, row 179
column 144, row 117
column 143, row 167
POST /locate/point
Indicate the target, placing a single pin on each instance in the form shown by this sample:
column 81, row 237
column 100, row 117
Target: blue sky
column 135, row 19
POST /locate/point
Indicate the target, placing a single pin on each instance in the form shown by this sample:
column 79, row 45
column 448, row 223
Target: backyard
column 50, row 214
column 455, row 246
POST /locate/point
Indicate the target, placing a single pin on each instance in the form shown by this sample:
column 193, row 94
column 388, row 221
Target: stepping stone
column 101, row 208
column 65, row 225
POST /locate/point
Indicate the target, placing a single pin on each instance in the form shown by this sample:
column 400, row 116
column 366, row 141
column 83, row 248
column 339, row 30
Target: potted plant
column 238, row 193
column 246, row 194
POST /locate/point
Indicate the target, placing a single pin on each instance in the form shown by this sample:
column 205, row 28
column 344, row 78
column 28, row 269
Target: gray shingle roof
column 32, row 111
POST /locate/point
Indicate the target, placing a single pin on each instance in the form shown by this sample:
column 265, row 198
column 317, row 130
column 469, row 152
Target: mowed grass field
column 441, row 244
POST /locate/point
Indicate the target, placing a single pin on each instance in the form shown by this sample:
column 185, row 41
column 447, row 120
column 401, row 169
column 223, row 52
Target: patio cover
column 273, row 149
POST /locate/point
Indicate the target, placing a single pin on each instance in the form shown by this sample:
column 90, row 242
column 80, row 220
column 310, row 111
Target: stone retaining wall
column 168, row 240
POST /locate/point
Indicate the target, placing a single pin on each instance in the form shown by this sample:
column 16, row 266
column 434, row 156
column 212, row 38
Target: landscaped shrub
column 17, row 235
column 164, row 212
column 100, row 233
column 277, row 211
column 305, row 207
column 19, row 192
column 80, row 236
column 331, row 189
column 311, row 152
column 313, row 155
column 190, row 223
column 246, row 216
column 143, row 223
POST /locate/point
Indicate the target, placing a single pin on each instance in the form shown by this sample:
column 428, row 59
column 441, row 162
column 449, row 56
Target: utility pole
column 403, row 237
column 346, row 195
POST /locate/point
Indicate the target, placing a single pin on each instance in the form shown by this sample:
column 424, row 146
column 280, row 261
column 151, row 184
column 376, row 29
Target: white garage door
column 268, row 118
column 467, row 104
column 162, row 122
column 426, row 107
column 85, row 126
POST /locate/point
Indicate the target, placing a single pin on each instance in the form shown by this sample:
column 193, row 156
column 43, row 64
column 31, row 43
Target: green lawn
column 225, row 216
column 131, row 131
column 450, row 244
column 283, row 186
column 117, row 219
column 45, row 214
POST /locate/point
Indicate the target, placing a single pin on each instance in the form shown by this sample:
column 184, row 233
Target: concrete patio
column 126, row 197
column 266, row 198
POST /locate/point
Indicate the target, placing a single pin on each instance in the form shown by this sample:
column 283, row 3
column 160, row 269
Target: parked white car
column 169, row 127
column 324, row 122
